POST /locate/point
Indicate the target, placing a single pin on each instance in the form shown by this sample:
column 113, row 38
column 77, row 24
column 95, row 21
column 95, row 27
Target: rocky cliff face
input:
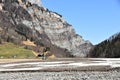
column 28, row 19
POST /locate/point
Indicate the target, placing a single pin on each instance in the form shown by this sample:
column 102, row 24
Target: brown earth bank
column 17, row 60
column 40, row 59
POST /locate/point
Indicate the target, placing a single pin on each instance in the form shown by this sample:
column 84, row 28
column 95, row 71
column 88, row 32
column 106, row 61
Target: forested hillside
column 109, row 48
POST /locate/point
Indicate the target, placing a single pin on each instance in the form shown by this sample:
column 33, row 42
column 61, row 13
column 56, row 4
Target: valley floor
column 61, row 69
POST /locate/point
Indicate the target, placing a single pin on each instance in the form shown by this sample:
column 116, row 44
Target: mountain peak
column 38, row 2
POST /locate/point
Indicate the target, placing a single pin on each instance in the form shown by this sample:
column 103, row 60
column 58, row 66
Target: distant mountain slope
column 109, row 48
column 28, row 19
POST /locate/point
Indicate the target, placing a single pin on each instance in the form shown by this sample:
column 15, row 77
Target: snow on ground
column 113, row 62
column 26, row 66
column 35, row 63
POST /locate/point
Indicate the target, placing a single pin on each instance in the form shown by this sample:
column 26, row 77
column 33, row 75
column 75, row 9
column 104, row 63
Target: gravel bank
column 74, row 75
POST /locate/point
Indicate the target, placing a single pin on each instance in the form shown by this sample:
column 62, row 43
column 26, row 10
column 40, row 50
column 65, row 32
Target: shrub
column 0, row 41
column 38, row 42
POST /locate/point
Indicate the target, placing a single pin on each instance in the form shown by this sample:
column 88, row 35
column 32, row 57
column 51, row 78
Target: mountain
column 109, row 48
column 21, row 20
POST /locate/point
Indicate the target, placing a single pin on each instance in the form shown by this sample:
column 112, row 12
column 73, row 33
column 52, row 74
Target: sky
column 94, row 20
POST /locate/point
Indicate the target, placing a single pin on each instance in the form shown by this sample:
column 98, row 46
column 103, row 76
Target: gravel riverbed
column 72, row 75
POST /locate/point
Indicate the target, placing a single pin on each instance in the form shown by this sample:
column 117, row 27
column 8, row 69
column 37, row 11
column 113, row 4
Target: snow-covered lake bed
column 75, row 64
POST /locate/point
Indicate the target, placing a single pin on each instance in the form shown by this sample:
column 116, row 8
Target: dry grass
column 29, row 43
column 17, row 60
column 10, row 51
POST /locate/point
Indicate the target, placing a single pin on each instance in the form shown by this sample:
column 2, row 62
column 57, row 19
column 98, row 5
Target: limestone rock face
column 22, row 19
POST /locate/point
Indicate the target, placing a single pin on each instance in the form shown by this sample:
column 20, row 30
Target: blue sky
column 94, row 20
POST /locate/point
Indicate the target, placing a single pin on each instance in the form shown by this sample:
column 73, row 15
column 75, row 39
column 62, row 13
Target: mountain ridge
column 109, row 48
column 25, row 19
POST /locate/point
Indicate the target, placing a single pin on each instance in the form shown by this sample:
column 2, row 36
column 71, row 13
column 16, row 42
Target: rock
column 28, row 19
column 65, row 75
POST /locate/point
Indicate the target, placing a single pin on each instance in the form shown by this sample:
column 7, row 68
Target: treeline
column 108, row 48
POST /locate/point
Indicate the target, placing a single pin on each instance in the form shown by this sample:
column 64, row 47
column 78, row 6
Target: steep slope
column 28, row 19
column 109, row 48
